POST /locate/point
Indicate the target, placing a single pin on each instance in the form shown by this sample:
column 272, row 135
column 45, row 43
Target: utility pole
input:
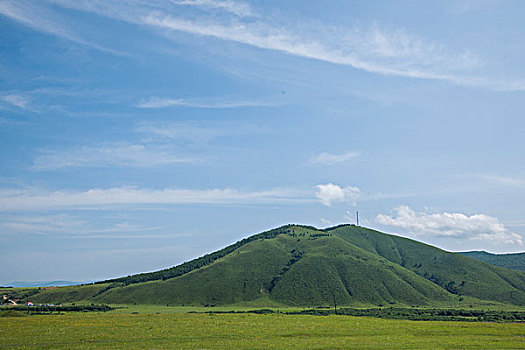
column 357, row 213
column 335, row 303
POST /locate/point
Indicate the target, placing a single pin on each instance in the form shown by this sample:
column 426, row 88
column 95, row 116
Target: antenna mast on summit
column 357, row 214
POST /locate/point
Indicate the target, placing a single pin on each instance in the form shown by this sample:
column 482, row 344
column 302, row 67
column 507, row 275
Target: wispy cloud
column 452, row 225
column 19, row 101
column 40, row 18
column 34, row 199
column 198, row 131
column 189, row 131
column 325, row 222
column 461, row 7
column 332, row 159
column 498, row 179
column 63, row 224
column 350, row 217
column 515, row 223
column 12, row 122
column 26, row 13
column 111, row 155
column 371, row 48
column 38, row 224
column 237, row 8
column 161, row 102
column 330, row 193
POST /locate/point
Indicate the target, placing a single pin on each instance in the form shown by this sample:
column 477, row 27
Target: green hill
column 303, row 266
column 514, row 261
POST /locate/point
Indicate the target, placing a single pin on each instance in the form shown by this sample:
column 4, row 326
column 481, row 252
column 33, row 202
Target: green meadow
column 145, row 327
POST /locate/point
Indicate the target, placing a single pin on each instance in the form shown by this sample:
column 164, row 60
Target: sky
column 136, row 135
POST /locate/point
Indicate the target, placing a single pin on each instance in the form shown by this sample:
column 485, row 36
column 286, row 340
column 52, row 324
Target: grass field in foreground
column 191, row 331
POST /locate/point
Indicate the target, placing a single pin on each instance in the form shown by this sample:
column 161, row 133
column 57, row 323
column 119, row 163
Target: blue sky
column 136, row 135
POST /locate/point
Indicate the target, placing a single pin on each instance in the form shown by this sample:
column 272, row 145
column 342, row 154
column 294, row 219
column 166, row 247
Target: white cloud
column 330, row 193
column 452, row 225
column 191, row 131
column 384, row 51
column 39, row 224
column 387, row 52
column 63, row 224
column 350, row 216
column 267, row 37
column 40, row 18
column 33, row 17
column 461, row 7
column 515, row 223
column 502, row 180
column 236, row 7
column 372, row 49
column 198, row 131
column 332, row 159
column 111, row 155
column 161, row 102
column 34, row 199
column 15, row 100
column 325, row 222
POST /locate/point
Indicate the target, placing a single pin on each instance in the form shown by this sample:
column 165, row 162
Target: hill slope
column 514, row 261
column 304, row 266
column 456, row 273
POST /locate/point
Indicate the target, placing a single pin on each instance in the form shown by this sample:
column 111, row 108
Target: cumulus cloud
column 454, row 225
column 332, row 159
column 330, row 193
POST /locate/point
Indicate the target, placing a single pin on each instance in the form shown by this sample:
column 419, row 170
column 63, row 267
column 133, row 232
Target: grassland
column 162, row 327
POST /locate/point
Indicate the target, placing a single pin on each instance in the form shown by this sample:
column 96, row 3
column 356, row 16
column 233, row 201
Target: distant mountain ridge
column 303, row 266
column 24, row 284
column 514, row 261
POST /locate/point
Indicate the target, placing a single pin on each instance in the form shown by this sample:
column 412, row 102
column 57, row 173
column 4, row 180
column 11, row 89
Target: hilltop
column 304, row 266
